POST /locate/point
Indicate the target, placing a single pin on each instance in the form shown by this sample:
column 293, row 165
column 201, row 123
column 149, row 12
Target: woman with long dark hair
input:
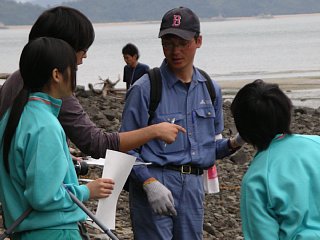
column 35, row 163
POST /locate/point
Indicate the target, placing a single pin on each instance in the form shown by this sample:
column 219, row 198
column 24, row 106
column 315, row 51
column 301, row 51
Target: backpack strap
column 209, row 85
column 155, row 91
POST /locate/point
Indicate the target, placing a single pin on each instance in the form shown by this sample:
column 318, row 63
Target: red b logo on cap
column 176, row 21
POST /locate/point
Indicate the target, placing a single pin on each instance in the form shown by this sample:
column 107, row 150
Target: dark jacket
column 130, row 75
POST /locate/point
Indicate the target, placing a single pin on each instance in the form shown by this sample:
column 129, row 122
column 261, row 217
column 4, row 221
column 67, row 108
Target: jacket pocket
column 204, row 127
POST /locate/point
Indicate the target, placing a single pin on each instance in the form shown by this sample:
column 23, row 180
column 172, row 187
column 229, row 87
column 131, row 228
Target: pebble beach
column 222, row 214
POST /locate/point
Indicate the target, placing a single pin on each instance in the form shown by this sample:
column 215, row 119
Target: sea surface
column 232, row 49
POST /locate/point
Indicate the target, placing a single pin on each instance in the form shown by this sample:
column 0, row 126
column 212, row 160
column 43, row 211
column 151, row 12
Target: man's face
column 80, row 55
column 130, row 60
column 179, row 52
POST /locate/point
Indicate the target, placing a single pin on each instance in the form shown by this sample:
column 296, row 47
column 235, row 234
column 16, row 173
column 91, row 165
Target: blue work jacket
column 190, row 107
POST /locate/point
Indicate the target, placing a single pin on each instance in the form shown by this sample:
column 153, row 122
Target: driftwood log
column 107, row 87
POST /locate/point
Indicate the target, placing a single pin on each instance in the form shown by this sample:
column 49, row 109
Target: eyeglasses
column 181, row 44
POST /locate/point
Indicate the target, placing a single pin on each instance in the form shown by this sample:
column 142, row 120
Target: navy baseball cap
column 181, row 22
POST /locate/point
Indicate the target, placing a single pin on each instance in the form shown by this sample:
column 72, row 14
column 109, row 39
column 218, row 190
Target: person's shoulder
column 44, row 119
column 141, row 86
column 70, row 99
column 205, row 76
column 15, row 78
column 306, row 139
column 126, row 67
column 145, row 66
column 70, row 104
column 306, row 136
column 9, row 90
column 15, row 74
column 294, row 139
column 143, row 82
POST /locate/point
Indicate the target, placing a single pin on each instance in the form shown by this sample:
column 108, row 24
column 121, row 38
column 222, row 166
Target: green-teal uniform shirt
column 280, row 194
column 40, row 163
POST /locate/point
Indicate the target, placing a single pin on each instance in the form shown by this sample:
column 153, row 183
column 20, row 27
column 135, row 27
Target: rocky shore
column 222, row 214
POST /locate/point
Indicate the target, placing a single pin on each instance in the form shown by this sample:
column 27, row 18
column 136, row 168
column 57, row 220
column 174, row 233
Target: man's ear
column 199, row 41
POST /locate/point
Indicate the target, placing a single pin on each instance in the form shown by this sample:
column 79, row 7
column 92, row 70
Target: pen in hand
column 172, row 122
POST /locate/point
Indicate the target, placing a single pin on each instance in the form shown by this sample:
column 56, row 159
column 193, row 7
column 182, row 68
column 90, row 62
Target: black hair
column 37, row 61
column 131, row 50
column 196, row 36
column 67, row 24
column 261, row 111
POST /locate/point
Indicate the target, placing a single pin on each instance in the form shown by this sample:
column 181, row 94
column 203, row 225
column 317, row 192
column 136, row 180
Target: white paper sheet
column 101, row 161
column 117, row 167
column 97, row 162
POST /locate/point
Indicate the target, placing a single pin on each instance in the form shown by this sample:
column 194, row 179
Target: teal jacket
column 280, row 194
column 40, row 163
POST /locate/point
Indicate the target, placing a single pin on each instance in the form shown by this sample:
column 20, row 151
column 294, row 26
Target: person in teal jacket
column 280, row 192
column 35, row 163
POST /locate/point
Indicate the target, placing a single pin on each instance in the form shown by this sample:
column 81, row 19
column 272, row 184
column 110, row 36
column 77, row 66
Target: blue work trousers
column 188, row 194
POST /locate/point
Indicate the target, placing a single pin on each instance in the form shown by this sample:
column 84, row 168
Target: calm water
column 231, row 50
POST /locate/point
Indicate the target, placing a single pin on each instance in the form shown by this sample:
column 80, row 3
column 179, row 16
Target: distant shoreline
column 303, row 91
column 158, row 21
column 285, row 83
column 213, row 19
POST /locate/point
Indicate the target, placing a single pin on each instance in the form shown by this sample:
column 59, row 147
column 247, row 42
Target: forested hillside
column 12, row 13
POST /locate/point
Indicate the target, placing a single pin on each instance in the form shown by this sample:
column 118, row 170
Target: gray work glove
column 236, row 141
column 160, row 198
column 240, row 156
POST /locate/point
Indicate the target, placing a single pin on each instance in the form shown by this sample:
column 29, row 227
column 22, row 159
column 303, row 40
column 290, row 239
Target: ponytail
column 13, row 121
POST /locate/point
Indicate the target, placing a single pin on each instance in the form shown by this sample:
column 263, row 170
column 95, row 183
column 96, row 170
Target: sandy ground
column 286, row 84
column 303, row 91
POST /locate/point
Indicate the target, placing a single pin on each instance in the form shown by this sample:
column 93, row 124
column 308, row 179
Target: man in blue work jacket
column 166, row 196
